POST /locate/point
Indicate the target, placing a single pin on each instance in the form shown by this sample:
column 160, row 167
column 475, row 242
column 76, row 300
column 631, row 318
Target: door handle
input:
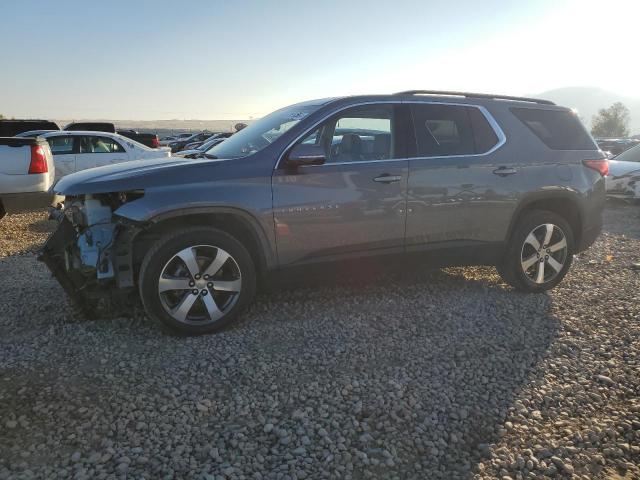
column 504, row 171
column 386, row 178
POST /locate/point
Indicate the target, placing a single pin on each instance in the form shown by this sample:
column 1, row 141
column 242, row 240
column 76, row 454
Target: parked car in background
column 615, row 146
column 91, row 127
column 26, row 174
column 200, row 151
column 151, row 140
column 178, row 145
column 10, row 128
column 623, row 180
column 457, row 178
column 174, row 138
column 34, row 133
column 215, row 136
column 75, row 150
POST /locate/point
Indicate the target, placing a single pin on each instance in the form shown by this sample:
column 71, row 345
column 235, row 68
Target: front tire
column 197, row 280
column 539, row 252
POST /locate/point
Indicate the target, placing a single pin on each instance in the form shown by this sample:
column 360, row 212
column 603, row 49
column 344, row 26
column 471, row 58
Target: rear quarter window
column 558, row 129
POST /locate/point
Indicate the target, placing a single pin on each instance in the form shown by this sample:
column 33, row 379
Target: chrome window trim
column 502, row 138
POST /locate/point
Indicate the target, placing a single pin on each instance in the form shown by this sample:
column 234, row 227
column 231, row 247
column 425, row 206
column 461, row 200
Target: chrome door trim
column 502, row 139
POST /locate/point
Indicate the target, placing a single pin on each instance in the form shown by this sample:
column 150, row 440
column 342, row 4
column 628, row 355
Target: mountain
column 588, row 100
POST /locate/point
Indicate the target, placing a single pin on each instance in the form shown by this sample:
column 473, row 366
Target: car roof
column 431, row 96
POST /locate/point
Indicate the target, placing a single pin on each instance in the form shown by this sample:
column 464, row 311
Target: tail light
column 38, row 160
column 155, row 143
column 601, row 166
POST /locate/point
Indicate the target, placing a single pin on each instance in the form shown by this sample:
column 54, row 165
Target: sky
column 199, row 59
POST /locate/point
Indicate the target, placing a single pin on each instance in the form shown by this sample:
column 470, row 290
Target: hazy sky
column 142, row 60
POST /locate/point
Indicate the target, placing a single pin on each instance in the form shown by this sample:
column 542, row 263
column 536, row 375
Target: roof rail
column 475, row 95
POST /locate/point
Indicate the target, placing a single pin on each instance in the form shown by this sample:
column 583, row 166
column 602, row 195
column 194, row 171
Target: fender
column 562, row 193
column 267, row 250
column 126, row 240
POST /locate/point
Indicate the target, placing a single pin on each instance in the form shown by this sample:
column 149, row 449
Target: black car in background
column 10, row 128
column 196, row 137
column 149, row 139
column 91, row 127
column 199, row 143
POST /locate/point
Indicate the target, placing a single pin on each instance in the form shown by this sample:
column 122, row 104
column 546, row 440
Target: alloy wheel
column 544, row 253
column 200, row 284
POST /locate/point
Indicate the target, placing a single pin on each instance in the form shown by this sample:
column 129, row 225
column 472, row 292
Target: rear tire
column 196, row 281
column 539, row 252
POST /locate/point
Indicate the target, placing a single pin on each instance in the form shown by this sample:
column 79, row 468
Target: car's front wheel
column 539, row 252
column 197, row 280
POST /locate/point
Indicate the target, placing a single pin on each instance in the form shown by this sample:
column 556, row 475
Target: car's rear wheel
column 197, row 280
column 539, row 252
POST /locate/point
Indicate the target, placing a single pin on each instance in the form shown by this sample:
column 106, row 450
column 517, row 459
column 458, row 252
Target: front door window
column 356, row 135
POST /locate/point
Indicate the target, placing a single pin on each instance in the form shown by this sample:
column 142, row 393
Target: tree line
column 611, row 122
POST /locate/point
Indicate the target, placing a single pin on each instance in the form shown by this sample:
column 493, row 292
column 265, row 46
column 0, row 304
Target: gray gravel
column 443, row 374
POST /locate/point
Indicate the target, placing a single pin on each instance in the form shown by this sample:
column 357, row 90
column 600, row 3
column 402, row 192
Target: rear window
column 558, row 129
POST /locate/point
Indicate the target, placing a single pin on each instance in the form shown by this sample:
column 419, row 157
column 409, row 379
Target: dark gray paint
column 318, row 212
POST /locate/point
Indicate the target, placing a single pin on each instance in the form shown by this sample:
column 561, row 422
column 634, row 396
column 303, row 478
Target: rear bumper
column 25, row 202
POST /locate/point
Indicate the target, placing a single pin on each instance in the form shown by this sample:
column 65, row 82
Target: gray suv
column 470, row 178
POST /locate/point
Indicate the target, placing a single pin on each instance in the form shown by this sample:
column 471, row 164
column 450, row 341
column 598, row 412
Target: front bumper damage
column 93, row 282
column 54, row 256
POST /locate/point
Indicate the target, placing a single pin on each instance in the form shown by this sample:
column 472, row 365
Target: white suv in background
column 75, row 151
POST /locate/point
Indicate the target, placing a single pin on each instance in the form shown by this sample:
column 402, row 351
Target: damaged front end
column 90, row 251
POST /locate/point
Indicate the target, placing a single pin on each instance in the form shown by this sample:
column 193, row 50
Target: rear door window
column 62, row 145
column 484, row 136
column 558, row 129
column 96, row 144
column 451, row 130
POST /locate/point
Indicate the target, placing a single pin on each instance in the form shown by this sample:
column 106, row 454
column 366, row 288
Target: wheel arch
column 565, row 204
column 236, row 222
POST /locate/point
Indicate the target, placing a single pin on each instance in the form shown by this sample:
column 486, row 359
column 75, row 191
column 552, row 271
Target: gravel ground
column 442, row 374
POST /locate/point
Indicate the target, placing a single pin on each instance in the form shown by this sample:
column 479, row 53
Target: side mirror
column 303, row 154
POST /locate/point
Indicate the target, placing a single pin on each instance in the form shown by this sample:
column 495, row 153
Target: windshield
column 631, row 155
column 262, row 132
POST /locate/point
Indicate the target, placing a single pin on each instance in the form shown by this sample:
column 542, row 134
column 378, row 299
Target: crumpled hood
column 134, row 175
